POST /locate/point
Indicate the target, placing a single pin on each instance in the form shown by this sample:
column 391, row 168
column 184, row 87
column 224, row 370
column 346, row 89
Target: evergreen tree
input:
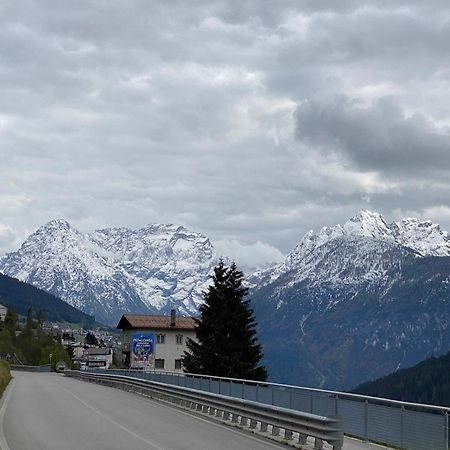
column 90, row 339
column 227, row 344
column 40, row 319
column 29, row 325
column 11, row 322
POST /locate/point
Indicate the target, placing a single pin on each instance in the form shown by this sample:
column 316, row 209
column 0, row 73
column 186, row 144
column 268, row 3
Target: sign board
column 142, row 350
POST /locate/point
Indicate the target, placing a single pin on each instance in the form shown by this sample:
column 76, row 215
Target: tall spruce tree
column 11, row 322
column 29, row 325
column 227, row 344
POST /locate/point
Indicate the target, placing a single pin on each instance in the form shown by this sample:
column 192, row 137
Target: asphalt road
column 51, row 412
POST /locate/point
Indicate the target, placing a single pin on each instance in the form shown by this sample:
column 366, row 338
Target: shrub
column 5, row 375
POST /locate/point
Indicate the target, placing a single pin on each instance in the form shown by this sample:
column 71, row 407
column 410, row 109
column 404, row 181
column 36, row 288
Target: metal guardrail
column 25, row 368
column 404, row 425
column 248, row 413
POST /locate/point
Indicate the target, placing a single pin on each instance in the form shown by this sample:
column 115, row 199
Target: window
column 160, row 338
column 178, row 364
column 179, row 339
column 159, row 363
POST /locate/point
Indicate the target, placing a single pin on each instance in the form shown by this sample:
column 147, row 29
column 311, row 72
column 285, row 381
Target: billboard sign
column 142, row 350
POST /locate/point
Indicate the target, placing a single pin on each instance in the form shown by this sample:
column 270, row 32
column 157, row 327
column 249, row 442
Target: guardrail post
column 366, row 420
column 244, row 421
column 302, row 438
column 288, row 434
column 446, row 430
column 253, row 424
column 263, row 428
column 235, row 418
column 275, row 431
column 318, row 444
column 402, row 410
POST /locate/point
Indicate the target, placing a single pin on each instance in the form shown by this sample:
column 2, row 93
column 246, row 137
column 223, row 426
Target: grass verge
column 5, row 376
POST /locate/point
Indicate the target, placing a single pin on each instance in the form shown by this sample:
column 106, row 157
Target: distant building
column 100, row 358
column 78, row 349
column 3, row 311
column 155, row 342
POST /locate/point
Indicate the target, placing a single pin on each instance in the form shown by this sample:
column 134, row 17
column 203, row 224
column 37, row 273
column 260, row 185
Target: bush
column 5, row 375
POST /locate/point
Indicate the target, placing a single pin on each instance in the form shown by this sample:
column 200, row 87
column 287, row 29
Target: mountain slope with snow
column 354, row 302
column 114, row 270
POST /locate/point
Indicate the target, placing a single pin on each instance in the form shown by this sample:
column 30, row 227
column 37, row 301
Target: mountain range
column 115, row 270
column 349, row 304
column 354, row 302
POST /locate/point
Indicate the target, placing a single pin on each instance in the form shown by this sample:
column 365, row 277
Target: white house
column 155, row 342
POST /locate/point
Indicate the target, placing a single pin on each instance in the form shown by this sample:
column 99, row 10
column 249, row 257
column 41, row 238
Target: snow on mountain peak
column 425, row 237
column 369, row 224
column 114, row 270
column 357, row 250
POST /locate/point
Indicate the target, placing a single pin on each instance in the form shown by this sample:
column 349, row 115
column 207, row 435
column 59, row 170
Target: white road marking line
column 261, row 439
column 109, row 419
column 3, row 444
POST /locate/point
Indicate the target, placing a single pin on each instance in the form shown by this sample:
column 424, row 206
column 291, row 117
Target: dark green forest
column 427, row 382
column 20, row 296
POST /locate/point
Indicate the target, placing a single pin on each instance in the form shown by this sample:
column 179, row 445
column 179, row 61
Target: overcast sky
column 249, row 121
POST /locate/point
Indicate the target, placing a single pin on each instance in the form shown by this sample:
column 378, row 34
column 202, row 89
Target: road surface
column 52, row 412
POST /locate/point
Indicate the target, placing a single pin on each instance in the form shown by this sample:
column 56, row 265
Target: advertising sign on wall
column 142, row 350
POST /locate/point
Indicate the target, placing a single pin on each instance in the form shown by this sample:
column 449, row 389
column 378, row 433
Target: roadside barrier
column 399, row 424
column 255, row 415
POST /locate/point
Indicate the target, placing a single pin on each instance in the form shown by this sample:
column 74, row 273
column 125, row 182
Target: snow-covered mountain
column 363, row 241
column 110, row 271
column 355, row 301
column 350, row 303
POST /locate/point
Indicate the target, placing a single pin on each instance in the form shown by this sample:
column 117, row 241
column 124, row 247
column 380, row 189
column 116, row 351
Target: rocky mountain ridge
column 113, row 270
column 354, row 302
column 368, row 229
column 350, row 303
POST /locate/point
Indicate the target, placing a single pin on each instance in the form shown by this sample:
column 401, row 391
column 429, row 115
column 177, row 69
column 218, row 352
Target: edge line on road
column 109, row 419
column 194, row 415
column 4, row 402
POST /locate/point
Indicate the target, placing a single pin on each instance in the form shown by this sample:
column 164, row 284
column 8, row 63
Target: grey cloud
column 129, row 112
column 377, row 137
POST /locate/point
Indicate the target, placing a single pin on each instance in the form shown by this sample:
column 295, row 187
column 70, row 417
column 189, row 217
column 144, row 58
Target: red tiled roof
column 155, row 322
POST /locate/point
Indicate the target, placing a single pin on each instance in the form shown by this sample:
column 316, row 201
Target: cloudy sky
column 250, row 121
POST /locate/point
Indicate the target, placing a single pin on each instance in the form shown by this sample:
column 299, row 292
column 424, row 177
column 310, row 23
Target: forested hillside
column 427, row 382
column 20, row 296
